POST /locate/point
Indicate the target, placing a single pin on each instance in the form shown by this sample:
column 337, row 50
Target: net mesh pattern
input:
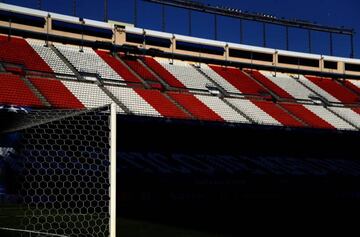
column 64, row 158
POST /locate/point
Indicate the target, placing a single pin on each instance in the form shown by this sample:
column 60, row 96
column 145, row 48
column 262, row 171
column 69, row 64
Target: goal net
column 58, row 173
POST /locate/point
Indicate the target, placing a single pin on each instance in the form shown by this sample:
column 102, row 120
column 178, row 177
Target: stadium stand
column 185, row 73
column 221, row 108
column 118, row 67
column 243, row 83
column 355, row 82
column 306, row 115
column 357, row 110
column 348, row 114
column 26, row 57
column 87, row 61
column 293, row 89
column 50, row 57
column 14, row 91
column 163, row 73
column 195, row 106
column 133, row 101
column 162, row 104
column 329, row 117
column 139, row 68
column 143, row 73
column 258, row 76
column 278, row 113
column 317, row 89
column 353, row 85
column 63, row 98
column 333, row 88
column 89, row 94
column 257, row 114
column 218, row 79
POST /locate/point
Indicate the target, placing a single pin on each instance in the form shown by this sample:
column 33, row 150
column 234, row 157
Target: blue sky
column 328, row 12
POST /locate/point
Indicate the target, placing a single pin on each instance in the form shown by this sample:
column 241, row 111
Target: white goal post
column 113, row 170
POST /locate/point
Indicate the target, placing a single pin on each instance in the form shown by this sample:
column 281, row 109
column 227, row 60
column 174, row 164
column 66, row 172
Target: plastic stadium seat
column 56, row 93
column 14, row 91
column 239, row 80
column 163, row 73
column 195, row 106
column 335, row 89
column 186, row 74
column 329, row 117
column 306, row 115
column 348, row 114
column 283, row 85
column 18, row 51
column 222, row 109
column 133, row 101
column 219, row 79
column 50, row 57
column 143, row 72
column 162, row 104
column 118, row 67
column 89, row 94
column 332, row 119
column 353, row 85
column 357, row 110
column 87, row 61
column 277, row 113
column 270, row 85
column 254, row 112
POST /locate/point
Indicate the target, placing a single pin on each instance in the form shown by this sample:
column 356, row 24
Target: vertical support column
column 275, row 61
column 215, row 27
column 352, row 54
column 120, row 37
column 48, row 23
column 113, row 170
column 190, row 22
column 106, row 7
column 241, row 32
column 74, row 7
column 331, row 44
column 226, row 54
column 309, row 41
column 163, row 17
column 144, row 39
column 322, row 63
column 82, row 34
column 287, row 37
column 173, row 44
column 135, row 13
column 264, row 34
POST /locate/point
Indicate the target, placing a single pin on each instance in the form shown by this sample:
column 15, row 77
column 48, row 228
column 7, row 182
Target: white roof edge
column 199, row 40
column 71, row 19
column 346, row 60
column 24, row 10
column 134, row 30
column 299, row 54
column 159, row 34
column 252, row 48
column 98, row 24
